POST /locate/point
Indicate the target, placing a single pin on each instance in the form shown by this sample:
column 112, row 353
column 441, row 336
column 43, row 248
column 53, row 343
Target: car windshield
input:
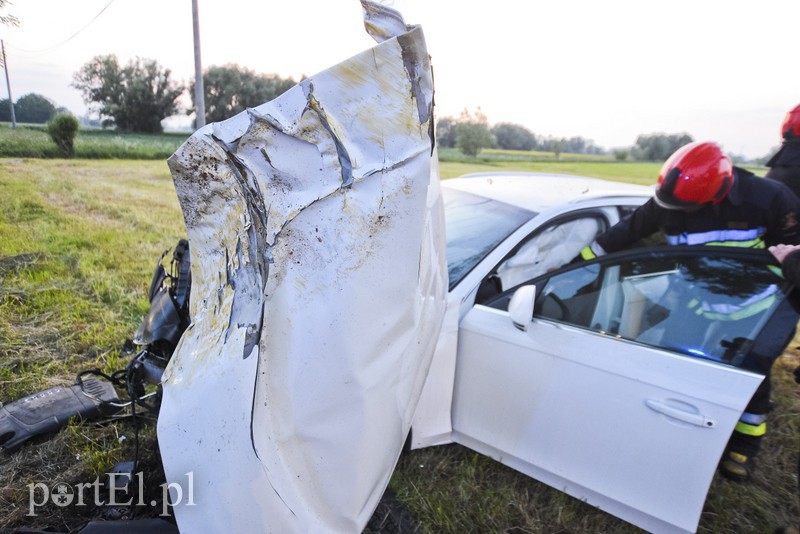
column 475, row 225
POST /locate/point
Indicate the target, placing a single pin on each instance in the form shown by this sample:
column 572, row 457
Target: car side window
column 572, row 298
column 545, row 251
column 548, row 250
column 699, row 305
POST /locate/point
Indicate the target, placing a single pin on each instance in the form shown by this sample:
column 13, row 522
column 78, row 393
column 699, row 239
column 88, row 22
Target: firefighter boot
column 737, row 461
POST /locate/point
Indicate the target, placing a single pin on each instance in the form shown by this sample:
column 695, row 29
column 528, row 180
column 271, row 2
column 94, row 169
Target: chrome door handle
column 697, row 419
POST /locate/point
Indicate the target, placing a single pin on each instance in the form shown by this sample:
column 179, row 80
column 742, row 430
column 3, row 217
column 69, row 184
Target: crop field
column 32, row 141
column 78, row 243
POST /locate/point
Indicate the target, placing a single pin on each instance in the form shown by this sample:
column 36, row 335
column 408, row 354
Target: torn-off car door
column 318, row 286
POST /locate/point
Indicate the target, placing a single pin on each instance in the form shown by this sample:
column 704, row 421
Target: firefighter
column 785, row 164
column 702, row 199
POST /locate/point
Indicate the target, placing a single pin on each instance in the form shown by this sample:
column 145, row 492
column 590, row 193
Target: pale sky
column 724, row 71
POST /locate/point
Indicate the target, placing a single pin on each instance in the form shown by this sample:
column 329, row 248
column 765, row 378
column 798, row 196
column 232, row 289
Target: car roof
column 540, row 191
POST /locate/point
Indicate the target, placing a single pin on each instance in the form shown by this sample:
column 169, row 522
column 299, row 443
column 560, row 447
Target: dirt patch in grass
column 13, row 264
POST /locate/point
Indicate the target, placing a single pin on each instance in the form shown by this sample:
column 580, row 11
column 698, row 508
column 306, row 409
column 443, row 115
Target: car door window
column 704, row 305
column 548, row 250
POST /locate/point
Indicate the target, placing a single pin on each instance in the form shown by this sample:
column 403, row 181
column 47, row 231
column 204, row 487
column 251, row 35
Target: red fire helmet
column 695, row 174
column 791, row 124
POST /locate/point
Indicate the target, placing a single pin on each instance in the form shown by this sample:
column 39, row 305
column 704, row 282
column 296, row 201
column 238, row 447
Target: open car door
column 625, row 385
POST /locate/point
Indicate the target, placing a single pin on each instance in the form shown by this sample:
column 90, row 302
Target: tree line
column 471, row 133
column 137, row 96
column 465, row 131
column 33, row 108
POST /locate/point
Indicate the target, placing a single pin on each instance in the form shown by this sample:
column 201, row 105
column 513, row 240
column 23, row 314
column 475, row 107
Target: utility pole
column 8, row 82
column 199, row 92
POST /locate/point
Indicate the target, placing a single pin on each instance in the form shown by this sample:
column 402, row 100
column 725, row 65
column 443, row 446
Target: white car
column 603, row 378
column 323, row 330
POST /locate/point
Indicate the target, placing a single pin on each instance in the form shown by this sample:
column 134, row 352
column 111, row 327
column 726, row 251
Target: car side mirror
column 520, row 308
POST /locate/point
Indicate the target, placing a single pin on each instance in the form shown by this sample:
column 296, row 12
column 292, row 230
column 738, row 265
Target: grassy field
column 32, row 141
column 488, row 155
column 78, row 243
column 634, row 172
column 453, row 164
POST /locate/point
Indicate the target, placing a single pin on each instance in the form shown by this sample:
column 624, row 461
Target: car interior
column 689, row 304
column 544, row 251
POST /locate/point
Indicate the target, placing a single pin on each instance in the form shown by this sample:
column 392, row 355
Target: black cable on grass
column 130, row 379
column 133, row 381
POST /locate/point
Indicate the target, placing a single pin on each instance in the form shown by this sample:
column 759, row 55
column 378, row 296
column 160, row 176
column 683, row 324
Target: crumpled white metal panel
column 318, row 288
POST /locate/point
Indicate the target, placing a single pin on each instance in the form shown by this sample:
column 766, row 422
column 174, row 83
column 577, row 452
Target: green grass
column 454, row 163
column 489, row 155
column 32, row 141
column 78, row 243
column 633, row 172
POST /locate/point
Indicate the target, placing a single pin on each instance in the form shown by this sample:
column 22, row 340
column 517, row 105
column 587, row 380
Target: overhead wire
column 68, row 39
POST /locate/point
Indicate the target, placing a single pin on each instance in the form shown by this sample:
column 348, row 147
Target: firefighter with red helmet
column 702, row 199
column 785, row 168
column 785, row 164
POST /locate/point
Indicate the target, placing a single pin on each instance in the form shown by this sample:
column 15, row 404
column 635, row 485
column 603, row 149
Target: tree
column 573, row 145
column 558, row 147
column 5, row 111
column 513, row 137
column 230, row 89
column 7, row 20
column 472, row 133
column 135, row 98
column 658, row 146
column 34, row 108
column 446, row 132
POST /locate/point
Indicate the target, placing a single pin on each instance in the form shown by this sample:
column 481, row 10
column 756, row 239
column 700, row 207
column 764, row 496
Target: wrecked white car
column 330, row 318
column 323, row 329
column 596, row 378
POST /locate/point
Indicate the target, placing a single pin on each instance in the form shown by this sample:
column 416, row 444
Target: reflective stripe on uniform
column 751, row 430
column 734, row 312
column 775, row 270
column 744, row 313
column 726, row 238
column 587, row 253
column 750, row 238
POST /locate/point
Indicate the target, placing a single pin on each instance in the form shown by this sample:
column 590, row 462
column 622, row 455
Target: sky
column 725, row 71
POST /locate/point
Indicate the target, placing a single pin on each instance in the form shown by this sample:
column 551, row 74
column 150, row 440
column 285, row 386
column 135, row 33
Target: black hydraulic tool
column 48, row 411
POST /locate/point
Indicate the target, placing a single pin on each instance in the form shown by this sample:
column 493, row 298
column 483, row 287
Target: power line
column 71, row 37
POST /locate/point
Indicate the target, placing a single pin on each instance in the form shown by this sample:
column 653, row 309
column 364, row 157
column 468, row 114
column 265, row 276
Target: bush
column 621, row 154
column 472, row 133
column 63, row 129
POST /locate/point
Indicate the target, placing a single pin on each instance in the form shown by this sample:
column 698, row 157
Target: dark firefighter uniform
column 785, row 165
column 756, row 213
column 785, row 168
